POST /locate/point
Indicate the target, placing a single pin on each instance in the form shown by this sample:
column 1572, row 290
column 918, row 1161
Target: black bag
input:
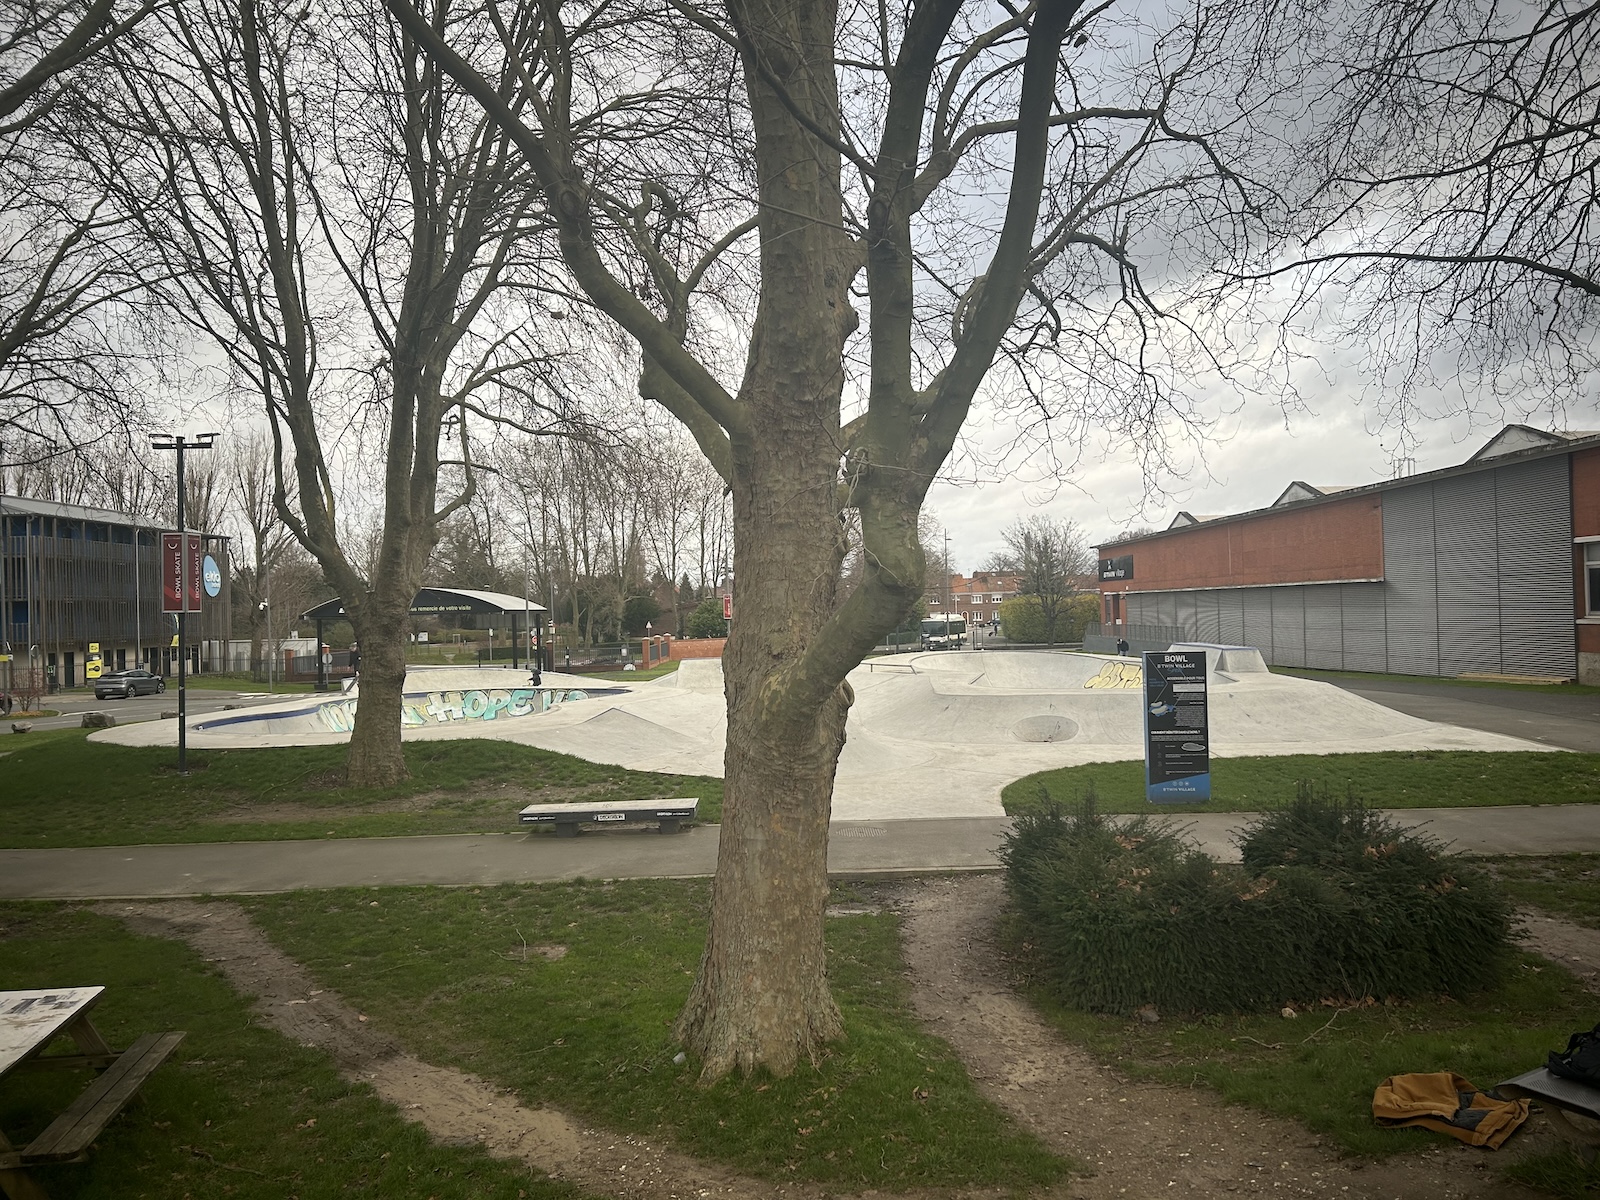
column 1581, row 1060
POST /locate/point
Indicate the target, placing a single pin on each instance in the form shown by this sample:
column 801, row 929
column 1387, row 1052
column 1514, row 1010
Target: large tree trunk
column 761, row 997
column 376, row 758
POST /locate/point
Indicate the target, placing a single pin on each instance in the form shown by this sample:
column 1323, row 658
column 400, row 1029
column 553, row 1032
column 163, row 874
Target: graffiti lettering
column 1119, row 676
column 443, row 708
column 340, row 716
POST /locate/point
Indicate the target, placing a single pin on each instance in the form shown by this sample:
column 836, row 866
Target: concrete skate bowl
column 1011, row 670
column 1045, row 729
column 484, row 701
column 696, row 675
column 965, row 700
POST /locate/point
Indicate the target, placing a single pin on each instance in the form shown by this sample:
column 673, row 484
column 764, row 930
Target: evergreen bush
column 1333, row 901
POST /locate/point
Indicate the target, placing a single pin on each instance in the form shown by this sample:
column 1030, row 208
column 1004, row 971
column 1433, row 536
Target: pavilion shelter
column 522, row 614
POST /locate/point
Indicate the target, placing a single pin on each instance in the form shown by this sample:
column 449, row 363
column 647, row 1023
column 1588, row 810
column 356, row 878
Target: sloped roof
column 1522, row 441
column 441, row 600
column 1189, row 518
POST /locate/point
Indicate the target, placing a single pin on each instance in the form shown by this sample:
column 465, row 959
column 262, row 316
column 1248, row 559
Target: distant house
column 1491, row 566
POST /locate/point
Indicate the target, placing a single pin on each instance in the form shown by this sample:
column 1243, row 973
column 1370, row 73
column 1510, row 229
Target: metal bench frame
column 1574, row 1107
column 668, row 815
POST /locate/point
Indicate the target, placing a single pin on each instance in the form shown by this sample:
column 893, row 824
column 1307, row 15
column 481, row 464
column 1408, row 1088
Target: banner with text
column 1177, row 749
column 180, row 572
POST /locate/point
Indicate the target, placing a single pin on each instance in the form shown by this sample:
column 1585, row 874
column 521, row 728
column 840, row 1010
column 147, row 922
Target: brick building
column 976, row 597
column 1491, row 566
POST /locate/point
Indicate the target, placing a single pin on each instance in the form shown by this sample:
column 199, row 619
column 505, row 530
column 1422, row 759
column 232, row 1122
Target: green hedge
column 1333, row 901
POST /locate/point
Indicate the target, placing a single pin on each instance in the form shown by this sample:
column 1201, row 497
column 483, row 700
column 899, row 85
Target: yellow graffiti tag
column 1128, row 676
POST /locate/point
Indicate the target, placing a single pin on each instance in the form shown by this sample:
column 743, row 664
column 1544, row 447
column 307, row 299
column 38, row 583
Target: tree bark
column 376, row 757
column 761, row 996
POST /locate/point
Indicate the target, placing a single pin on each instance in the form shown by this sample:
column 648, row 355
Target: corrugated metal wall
column 1477, row 577
column 1535, row 541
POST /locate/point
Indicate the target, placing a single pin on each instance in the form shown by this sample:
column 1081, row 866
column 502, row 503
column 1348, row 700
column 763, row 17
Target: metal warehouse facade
column 71, row 576
column 1489, row 567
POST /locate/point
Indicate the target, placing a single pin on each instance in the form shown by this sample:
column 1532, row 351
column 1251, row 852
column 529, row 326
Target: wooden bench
column 669, row 815
column 1574, row 1107
column 30, row 1021
column 70, row 1135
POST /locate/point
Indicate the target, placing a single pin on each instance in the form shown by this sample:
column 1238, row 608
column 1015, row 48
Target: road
column 1554, row 718
column 72, row 705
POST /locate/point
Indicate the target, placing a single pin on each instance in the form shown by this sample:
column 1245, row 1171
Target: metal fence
column 1141, row 638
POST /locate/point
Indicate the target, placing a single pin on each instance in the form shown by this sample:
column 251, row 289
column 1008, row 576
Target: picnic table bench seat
column 69, row 1136
column 669, row 815
column 1574, row 1107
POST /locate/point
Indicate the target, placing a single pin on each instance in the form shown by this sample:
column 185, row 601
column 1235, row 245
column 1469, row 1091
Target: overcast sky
column 1246, row 464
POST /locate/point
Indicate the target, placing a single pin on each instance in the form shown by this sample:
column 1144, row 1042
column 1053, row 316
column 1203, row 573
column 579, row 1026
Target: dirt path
column 1139, row 1140
column 1575, row 947
column 1142, row 1140
column 454, row 1107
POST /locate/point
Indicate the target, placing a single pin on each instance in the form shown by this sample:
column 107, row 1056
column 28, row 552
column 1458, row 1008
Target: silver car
column 135, row 681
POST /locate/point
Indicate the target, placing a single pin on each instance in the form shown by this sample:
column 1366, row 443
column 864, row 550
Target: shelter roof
column 441, row 600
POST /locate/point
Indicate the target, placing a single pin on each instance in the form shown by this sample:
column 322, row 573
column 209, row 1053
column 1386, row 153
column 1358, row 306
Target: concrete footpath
column 856, row 848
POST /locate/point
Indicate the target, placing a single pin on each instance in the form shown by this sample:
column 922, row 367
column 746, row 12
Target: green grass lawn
column 1391, row 779
column 1567, row 689
column 567, row 993
column 1566, row 885
column 238, row 1111
column 62, row 790
column 638, row 676
column 1322, row 1067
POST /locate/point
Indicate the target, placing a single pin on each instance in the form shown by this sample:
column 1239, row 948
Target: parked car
column 133, row 682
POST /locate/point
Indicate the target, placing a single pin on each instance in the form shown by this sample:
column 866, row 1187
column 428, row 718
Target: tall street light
column 177, row 441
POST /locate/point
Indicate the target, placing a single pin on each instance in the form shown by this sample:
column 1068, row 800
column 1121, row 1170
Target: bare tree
column 250, row 477
column 850, row 188
column 67, row 275
column 354, row 236
column 1051, row 558
column 1460, row 218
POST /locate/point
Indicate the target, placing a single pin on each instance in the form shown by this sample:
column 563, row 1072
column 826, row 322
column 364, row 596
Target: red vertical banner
column 193, row 581
column 180, row 594
column 171, row 573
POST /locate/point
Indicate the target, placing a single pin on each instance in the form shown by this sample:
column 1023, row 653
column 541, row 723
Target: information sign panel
column 1177, row 747
column 180, row 579
column 1113, row 569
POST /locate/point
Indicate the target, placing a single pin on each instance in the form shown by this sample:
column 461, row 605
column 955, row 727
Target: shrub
column 1022, row 618
column 1333, row 902
column 706, row 620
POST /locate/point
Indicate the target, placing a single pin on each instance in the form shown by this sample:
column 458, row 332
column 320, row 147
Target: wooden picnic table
column 30, row 1021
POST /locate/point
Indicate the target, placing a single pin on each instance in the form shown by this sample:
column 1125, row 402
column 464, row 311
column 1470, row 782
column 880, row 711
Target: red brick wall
column 1586, row 493
column 1342, row 539
column 1585, row 523
column 698, row 647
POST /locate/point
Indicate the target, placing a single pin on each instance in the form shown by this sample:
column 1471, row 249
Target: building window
column 1591, row 575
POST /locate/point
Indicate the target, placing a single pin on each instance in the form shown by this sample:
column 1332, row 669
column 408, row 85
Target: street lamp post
column 176, row 441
